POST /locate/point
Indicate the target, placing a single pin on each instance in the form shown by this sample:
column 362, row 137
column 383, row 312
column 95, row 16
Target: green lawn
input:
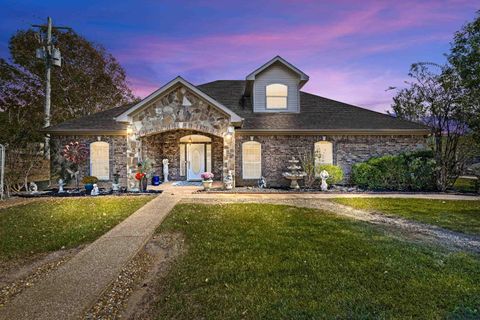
column 48, row 225
column 259, row 261
column 462, row 216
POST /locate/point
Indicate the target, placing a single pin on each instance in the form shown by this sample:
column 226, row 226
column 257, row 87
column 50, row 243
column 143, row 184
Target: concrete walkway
column 68, row 291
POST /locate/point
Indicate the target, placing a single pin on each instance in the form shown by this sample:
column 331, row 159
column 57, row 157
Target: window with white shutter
column 251, row 160
column 100, row 160
column 323, row 153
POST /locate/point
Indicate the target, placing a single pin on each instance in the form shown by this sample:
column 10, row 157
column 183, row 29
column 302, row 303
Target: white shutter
column 100, row 160
column 251, row 160
column 323, row 153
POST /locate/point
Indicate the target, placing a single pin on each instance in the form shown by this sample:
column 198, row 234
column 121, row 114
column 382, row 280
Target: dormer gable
column 275, row 86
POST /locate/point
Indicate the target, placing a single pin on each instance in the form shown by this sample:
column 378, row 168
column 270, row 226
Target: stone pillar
column 133, row 154
column 229, row 153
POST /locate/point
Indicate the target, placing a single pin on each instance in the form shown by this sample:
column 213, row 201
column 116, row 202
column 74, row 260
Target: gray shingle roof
column 316, row 113
column 100, row 121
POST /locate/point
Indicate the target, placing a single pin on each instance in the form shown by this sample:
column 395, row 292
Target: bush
column 405, row 172
column 89, row 180
column 335, row 172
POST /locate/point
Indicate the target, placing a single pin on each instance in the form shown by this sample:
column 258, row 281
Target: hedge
column 405, row 172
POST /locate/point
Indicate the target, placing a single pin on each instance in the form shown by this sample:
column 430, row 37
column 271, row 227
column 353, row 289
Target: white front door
column 195, row 161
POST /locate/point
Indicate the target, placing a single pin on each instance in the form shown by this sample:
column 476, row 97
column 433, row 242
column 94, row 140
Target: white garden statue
column 324, row 176
column 165, row 170
column 61, row 184
column 33, row 187
column 228, row 181
column 95, row 190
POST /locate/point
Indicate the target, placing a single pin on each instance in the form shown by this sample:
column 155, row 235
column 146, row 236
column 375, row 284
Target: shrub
column 405, row 172
column 335, row 172
column 89, row 180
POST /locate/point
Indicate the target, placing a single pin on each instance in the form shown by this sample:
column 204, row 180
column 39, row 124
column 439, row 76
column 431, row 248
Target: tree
column 464, row 57
column 90, row 79
column 436, row 98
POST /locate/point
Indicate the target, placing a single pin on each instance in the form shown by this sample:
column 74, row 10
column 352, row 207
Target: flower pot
column 156, row 180
column 143, row 184
column 207, row 184
column 88, row 188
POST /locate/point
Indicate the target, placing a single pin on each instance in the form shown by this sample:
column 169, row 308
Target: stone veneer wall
column 118, row 156
column 179, row 109
column 167, row 145
column 347, row 150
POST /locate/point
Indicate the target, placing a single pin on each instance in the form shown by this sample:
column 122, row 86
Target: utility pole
column 51, row 56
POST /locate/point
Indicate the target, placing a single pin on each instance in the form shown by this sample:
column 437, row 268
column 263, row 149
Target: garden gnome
column 262, row 183
column 33, row 187
column 95, row 191
column 324, row 176
column 60, row 186
column 228, row 180
column 165, row 170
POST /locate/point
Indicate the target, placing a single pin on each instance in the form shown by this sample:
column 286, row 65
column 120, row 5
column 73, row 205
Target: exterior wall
column 347, row 150
column 167, row 145
column 118, row 157
column 276, row 73
column 168, row 113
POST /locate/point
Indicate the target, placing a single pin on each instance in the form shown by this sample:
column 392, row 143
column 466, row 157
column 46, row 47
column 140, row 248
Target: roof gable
column 303, row 77
column 126, row 115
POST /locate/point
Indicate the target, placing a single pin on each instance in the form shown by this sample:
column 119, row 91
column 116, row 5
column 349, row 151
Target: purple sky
column 352, row 50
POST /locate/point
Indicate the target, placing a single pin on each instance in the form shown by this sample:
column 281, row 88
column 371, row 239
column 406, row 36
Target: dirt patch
column 137, row 288
column 12, row 202
column 20, row 274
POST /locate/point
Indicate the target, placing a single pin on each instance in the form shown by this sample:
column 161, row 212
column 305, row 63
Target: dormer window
column 277, row 95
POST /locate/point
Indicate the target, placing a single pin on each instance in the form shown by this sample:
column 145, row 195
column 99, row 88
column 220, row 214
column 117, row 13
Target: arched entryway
column 189, row 152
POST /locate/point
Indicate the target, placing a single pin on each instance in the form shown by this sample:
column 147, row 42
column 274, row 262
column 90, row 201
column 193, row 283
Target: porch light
column 229, row 133
column 129, row 130
column 190, row 140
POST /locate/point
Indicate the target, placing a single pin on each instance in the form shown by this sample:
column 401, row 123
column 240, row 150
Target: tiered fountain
column 294, row 174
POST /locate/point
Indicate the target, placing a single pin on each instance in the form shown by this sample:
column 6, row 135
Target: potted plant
column 207, row 178
column 88, row 182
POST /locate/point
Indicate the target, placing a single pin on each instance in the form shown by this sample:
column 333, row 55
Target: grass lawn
column 457, row 215
column 259, row 261
column 48, row 225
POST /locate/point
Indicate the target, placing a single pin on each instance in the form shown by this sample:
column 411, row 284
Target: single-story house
column 250, row 127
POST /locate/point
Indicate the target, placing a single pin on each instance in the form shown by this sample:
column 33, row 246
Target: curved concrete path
column 69, row 291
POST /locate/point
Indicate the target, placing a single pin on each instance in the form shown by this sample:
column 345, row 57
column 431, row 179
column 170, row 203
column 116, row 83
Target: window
column 323, row 153
column 277, row 96
column 251, row 160
column 100, row 160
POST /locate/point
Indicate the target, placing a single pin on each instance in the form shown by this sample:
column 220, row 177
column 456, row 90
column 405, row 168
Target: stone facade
column 347, row 150
column 118, row 157
column 175, row 111
column 167, row 145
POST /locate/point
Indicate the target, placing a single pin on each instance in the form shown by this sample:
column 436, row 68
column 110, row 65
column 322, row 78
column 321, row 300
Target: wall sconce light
column 230, row 131
column 129, row 130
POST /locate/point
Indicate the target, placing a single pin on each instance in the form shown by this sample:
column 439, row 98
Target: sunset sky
column 352, row 50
